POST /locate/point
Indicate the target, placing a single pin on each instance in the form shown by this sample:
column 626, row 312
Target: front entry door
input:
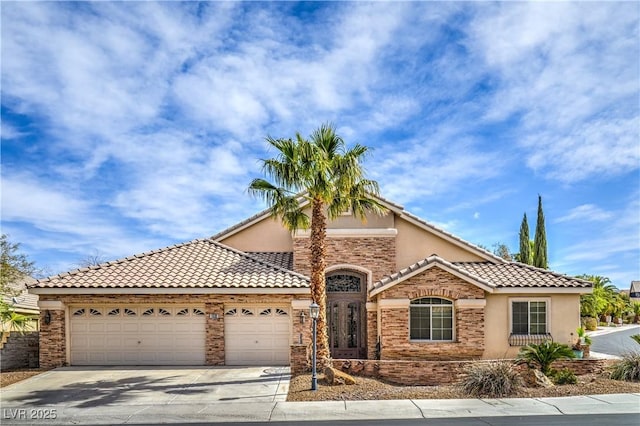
column 346, row 316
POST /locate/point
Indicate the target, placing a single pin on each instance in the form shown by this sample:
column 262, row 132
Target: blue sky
column 130, row 126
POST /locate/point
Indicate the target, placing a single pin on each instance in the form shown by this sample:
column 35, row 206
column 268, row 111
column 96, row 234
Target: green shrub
column 542, row 355
column 564, row 377
column 627, row 368
column 636, row 337
column 590, row 323
column 492, row 379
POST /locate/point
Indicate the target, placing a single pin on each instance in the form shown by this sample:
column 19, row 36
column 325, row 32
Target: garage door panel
column 258, row 339
column 168, row 328
column 113, row 327
column 120, row 338
column 130, row 327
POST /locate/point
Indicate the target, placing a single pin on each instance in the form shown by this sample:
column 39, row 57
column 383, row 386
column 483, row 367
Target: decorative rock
column 337, row 377
column 535, row 378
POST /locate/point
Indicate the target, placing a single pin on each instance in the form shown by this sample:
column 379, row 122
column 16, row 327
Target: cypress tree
column 525, row 245
column 540, row 240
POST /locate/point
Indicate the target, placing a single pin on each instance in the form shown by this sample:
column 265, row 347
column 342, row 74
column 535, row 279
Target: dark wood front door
column 346, row 316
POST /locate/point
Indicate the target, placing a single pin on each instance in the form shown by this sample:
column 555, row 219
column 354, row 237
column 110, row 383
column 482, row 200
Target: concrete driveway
column 127, row 389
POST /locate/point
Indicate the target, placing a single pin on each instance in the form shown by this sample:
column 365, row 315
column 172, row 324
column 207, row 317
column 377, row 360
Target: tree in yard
column 540, row 240
column 525, row 244
column 324, row 173
column 601, row 300
column 93, row 259
column 502, row 250
column 14, row 266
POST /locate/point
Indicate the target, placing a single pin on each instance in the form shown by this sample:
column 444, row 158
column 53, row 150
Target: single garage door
column 137, row 335
column 257, row 335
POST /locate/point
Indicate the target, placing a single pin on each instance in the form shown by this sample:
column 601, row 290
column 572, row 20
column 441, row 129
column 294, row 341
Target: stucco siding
column 267, row 235
column 414, row 244
column 563, row 316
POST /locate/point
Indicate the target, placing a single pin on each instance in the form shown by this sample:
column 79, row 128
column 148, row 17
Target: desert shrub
column 564, row 377
column 627, row 368
column 590, row 323
column 542, row 355
column 492, row 379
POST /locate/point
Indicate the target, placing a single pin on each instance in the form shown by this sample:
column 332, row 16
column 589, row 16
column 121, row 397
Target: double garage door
column 175, row 335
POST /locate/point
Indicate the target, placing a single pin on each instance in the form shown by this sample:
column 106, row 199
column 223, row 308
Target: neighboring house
column 398, row 288
column 634, row 291
column 22, row 302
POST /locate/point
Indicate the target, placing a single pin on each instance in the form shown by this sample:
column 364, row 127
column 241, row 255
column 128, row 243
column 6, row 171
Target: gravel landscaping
column 9, row 377
column 372, row 389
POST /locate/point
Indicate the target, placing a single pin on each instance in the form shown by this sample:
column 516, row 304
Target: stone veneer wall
column 469, row 322
column 433, row 373
column 372, row 334
column 377, row 254
column 19, row 350
column 53, row 335
column 53, row 352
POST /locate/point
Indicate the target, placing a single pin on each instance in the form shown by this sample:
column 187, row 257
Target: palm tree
column 13, row 321
column 544, row 354
column 324, row 173
column 601, row 300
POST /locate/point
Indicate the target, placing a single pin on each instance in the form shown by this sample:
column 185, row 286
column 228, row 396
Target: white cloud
column 585, row 212
column 565, row 72
column 616, row 243
column 422, row 168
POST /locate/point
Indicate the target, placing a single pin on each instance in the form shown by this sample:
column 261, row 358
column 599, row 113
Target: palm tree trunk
column 318, row 265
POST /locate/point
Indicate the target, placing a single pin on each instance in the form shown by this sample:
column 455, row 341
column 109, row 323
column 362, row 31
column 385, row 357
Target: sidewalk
column 221, row 412
column 607, row 330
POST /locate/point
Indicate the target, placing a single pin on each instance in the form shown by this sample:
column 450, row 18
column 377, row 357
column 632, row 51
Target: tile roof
column 19, row 297
column 491, row 275
column 195, row 264
column 519, row 275
column 283, row 259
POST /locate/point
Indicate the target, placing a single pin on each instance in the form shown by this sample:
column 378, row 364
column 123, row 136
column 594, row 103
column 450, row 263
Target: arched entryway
column 346, row 314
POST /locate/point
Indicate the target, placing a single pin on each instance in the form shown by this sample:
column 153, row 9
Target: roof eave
column 435, row 261
column 171, row 290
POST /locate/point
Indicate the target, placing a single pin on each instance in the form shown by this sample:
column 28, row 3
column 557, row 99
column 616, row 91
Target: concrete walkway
column 137, row 395
column 221, row 412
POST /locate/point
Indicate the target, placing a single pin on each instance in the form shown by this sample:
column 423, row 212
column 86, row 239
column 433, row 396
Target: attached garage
column 257, row 335
column 137, row 335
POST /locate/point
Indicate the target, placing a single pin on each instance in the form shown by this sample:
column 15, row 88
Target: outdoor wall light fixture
column 213, row 316
column 302, row 317
column 47, row 317
column 314, row 312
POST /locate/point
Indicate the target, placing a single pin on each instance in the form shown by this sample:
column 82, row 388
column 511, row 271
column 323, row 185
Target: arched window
column 431, row 318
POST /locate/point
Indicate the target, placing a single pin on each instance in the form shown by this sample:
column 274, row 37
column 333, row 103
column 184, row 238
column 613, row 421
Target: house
column 398, row 288
column 22, row 302
column 634, row 291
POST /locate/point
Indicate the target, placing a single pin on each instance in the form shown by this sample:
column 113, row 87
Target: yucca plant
column 493, row 379
column 627, row 368
column 542, row 355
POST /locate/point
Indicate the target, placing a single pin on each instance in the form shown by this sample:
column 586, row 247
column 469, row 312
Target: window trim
column 547, row 318
column 453, row 320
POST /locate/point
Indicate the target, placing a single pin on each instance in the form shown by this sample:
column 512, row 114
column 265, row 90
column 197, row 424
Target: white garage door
column 257, row 335
column 137, row 335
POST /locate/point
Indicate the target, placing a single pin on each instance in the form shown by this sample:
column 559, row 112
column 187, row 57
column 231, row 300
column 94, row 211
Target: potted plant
column 583, row 344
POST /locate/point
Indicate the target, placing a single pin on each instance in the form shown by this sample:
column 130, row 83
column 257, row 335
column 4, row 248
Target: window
column 528, row 317
column 344, row 283
column 431, row 318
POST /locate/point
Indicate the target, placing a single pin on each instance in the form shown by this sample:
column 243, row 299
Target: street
column 562, row 420
column 616, row 342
